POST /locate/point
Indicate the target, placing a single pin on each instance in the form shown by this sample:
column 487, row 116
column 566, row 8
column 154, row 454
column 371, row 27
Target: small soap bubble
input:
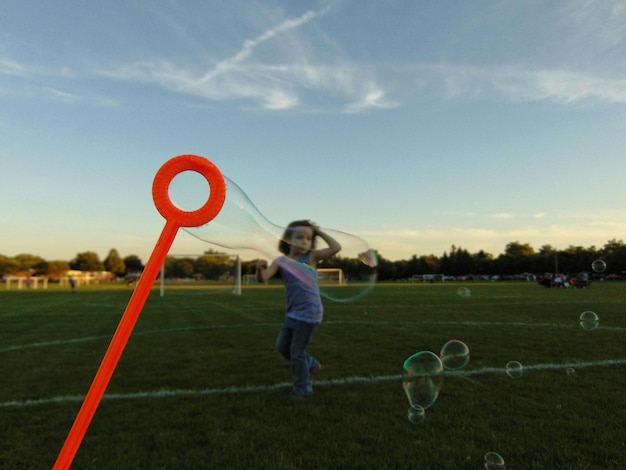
column 464, row 292
column 494, row 461
column 514, row 369
column 416, row 414
column 589, row 320
column 454, row 355
column 423, row 387
column 570, row 371
column 598, row 266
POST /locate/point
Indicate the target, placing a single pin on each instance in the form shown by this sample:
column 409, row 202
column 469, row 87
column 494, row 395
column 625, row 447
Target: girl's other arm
column 264, row 272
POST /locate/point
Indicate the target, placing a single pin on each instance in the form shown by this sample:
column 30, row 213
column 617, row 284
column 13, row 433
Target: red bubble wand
column 175, row 219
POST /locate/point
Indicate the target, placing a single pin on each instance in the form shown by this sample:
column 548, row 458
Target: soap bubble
column 514, row 369
column 454, row 355
column 570, row 371
column 598, row 266
column 416, row 414
column 422, row 388
column 589, row 320
column 241, row 227
column 494, row 461
column 464, row 292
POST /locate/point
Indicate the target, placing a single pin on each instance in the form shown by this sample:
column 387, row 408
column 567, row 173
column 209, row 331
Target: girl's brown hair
column 284, row 245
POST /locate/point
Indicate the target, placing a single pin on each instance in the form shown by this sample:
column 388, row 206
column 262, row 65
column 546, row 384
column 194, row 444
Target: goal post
column 236, row 275
column 331, row 275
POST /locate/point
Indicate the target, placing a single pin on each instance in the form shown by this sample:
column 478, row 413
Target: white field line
column 318, row 383
column 41, row 344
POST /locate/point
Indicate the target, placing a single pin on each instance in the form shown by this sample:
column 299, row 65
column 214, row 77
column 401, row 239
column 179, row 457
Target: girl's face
column 301, row 240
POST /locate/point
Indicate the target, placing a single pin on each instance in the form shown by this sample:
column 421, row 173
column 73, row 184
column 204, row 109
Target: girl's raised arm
column 332, row 249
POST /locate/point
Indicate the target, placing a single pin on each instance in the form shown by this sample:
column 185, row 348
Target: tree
column 181, row 268
column 87, row 261
column 211, row 267
column 518, row 250
column 464, row 262
column 430, row 264
column 614, row 254
column 516, row 258
column 483, row 262
column 28, row 262
column 458, row 262
column 114, row 263
column 411, row 267
column 546, row 259
column 576, row 258
column 387, row 269
column 8, row 265
column 57, row 268
column 249, row 267
column 133, row 264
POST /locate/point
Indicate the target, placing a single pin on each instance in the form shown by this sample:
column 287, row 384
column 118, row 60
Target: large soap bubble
column 424, row 382
column 348, row 276
column 454, row 355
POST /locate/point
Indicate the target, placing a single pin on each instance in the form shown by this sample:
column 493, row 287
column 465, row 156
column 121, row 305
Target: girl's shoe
column 315, row 371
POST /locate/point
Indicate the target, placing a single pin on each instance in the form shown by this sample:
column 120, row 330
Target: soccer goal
column 226, row 277
column 331, row 275
column 29, row 282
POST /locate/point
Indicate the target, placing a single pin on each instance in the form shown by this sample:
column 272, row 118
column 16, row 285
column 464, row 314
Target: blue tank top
column 304, row 302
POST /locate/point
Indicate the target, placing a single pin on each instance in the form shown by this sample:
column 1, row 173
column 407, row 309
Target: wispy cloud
column 571, row 87
column 517, row 83
column 365, row 87
column 273, row 85
column 47, row 83
column 282, row 68
column 250, row 45
column 13, row 68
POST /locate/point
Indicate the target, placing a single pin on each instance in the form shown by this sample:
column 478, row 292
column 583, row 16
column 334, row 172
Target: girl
column 304, row 303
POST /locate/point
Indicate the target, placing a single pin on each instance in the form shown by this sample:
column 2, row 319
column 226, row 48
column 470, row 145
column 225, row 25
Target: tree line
column 517, row 258
column 86, row 261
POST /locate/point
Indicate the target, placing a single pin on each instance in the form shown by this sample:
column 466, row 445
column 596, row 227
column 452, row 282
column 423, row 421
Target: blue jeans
column 292, row 341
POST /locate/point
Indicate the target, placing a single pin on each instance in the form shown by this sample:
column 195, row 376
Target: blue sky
column 413, row 124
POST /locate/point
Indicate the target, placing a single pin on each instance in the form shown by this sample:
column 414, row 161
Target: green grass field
column 201, row 386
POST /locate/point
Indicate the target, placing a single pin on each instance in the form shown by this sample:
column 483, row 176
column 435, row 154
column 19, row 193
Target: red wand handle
column 175, row 218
